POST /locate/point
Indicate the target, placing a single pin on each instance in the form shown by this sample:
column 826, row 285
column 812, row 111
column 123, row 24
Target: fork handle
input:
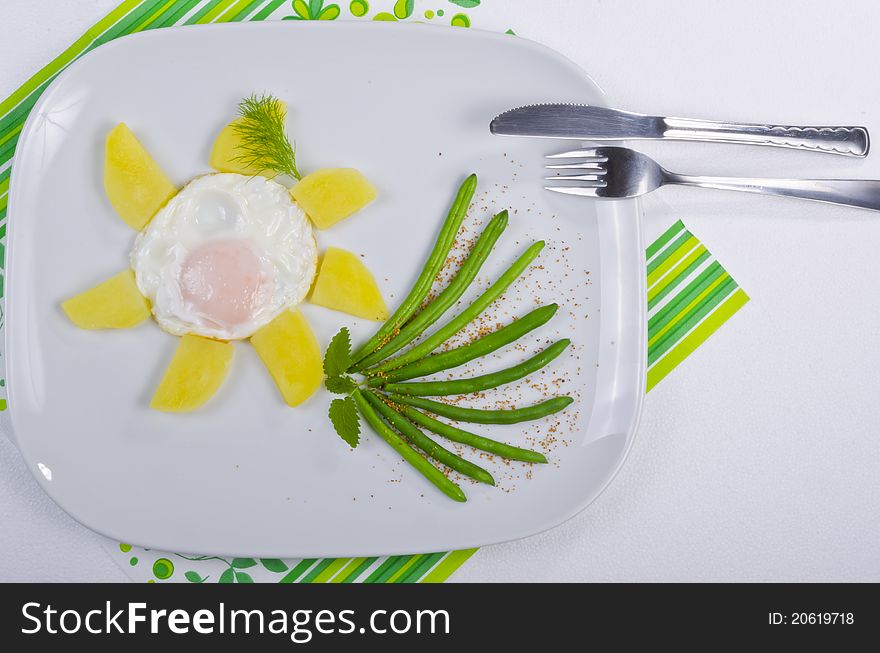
column 848, row 141
column 864, row 193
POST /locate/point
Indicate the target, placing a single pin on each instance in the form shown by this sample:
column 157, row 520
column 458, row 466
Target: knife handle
column 847, row 141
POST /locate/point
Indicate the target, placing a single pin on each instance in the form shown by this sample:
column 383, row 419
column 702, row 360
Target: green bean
column 433, row 450
column 466, row 316
column 471, row 439
column 482, row 382
column 434, row 310
column 482, row 416
column 461, row 355
column 413, row 457
column 432, row 266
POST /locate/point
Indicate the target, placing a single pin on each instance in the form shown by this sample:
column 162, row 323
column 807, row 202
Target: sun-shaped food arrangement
column 230, row 256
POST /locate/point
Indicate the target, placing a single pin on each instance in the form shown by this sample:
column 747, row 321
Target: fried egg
column 225, row 256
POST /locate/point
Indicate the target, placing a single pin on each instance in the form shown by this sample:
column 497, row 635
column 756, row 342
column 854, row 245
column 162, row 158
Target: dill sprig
column 264, row 144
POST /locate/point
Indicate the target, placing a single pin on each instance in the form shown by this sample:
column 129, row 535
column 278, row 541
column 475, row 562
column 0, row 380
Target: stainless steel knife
column 594, row 123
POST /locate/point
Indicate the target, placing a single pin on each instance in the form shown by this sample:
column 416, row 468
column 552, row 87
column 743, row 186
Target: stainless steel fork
column 618, row 172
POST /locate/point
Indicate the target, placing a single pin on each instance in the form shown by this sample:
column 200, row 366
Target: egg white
column 260, row 213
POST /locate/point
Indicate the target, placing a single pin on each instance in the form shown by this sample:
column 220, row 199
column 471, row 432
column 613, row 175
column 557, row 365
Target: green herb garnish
column 344, row 417
column 340, row 385
column 264, row 143
column 343, row 413
column 337, row 358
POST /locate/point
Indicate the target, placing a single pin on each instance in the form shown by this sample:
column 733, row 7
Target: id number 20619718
column 810, row 618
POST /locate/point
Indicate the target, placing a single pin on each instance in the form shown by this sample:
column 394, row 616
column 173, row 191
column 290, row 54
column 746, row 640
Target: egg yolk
column 224, row 281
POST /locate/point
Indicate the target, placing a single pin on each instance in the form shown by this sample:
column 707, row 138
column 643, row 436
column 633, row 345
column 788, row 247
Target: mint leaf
column 467, row 4
column 227, row 576
column 337, row 358
column 344, row 417
column 340, row 385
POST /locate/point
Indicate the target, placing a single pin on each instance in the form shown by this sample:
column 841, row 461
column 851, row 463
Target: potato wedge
column 332, row 194
column 135, row 184
column 345, row 284
column 114, row 304
column 292, row 355
column 196, row 372
column 226, row 152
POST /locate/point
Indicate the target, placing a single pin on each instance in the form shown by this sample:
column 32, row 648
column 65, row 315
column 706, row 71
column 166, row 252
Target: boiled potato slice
column 345, row 284
column 135, row 184
column 196, row 372
column 114, row 304
column 291, row 353
column 225, row 152
column 331, row 194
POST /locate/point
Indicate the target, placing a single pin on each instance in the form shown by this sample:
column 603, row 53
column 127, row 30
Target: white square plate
column 410, row 107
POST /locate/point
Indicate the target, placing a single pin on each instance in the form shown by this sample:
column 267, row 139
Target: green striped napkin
column 690, row 295
column 155, row 566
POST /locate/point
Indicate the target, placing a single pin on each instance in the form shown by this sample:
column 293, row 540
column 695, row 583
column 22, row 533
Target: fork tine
column 581, row 191
column 594, row 177
column 574, row 154
column 586, row 165
column 593, row 158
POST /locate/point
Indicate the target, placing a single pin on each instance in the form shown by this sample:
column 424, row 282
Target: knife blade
column 591, row 122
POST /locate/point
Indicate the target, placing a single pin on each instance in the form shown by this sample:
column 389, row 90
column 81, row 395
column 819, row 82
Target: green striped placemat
column 690, row 295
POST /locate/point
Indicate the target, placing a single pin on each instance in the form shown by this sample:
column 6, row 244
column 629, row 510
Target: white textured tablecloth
column 759, row 457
